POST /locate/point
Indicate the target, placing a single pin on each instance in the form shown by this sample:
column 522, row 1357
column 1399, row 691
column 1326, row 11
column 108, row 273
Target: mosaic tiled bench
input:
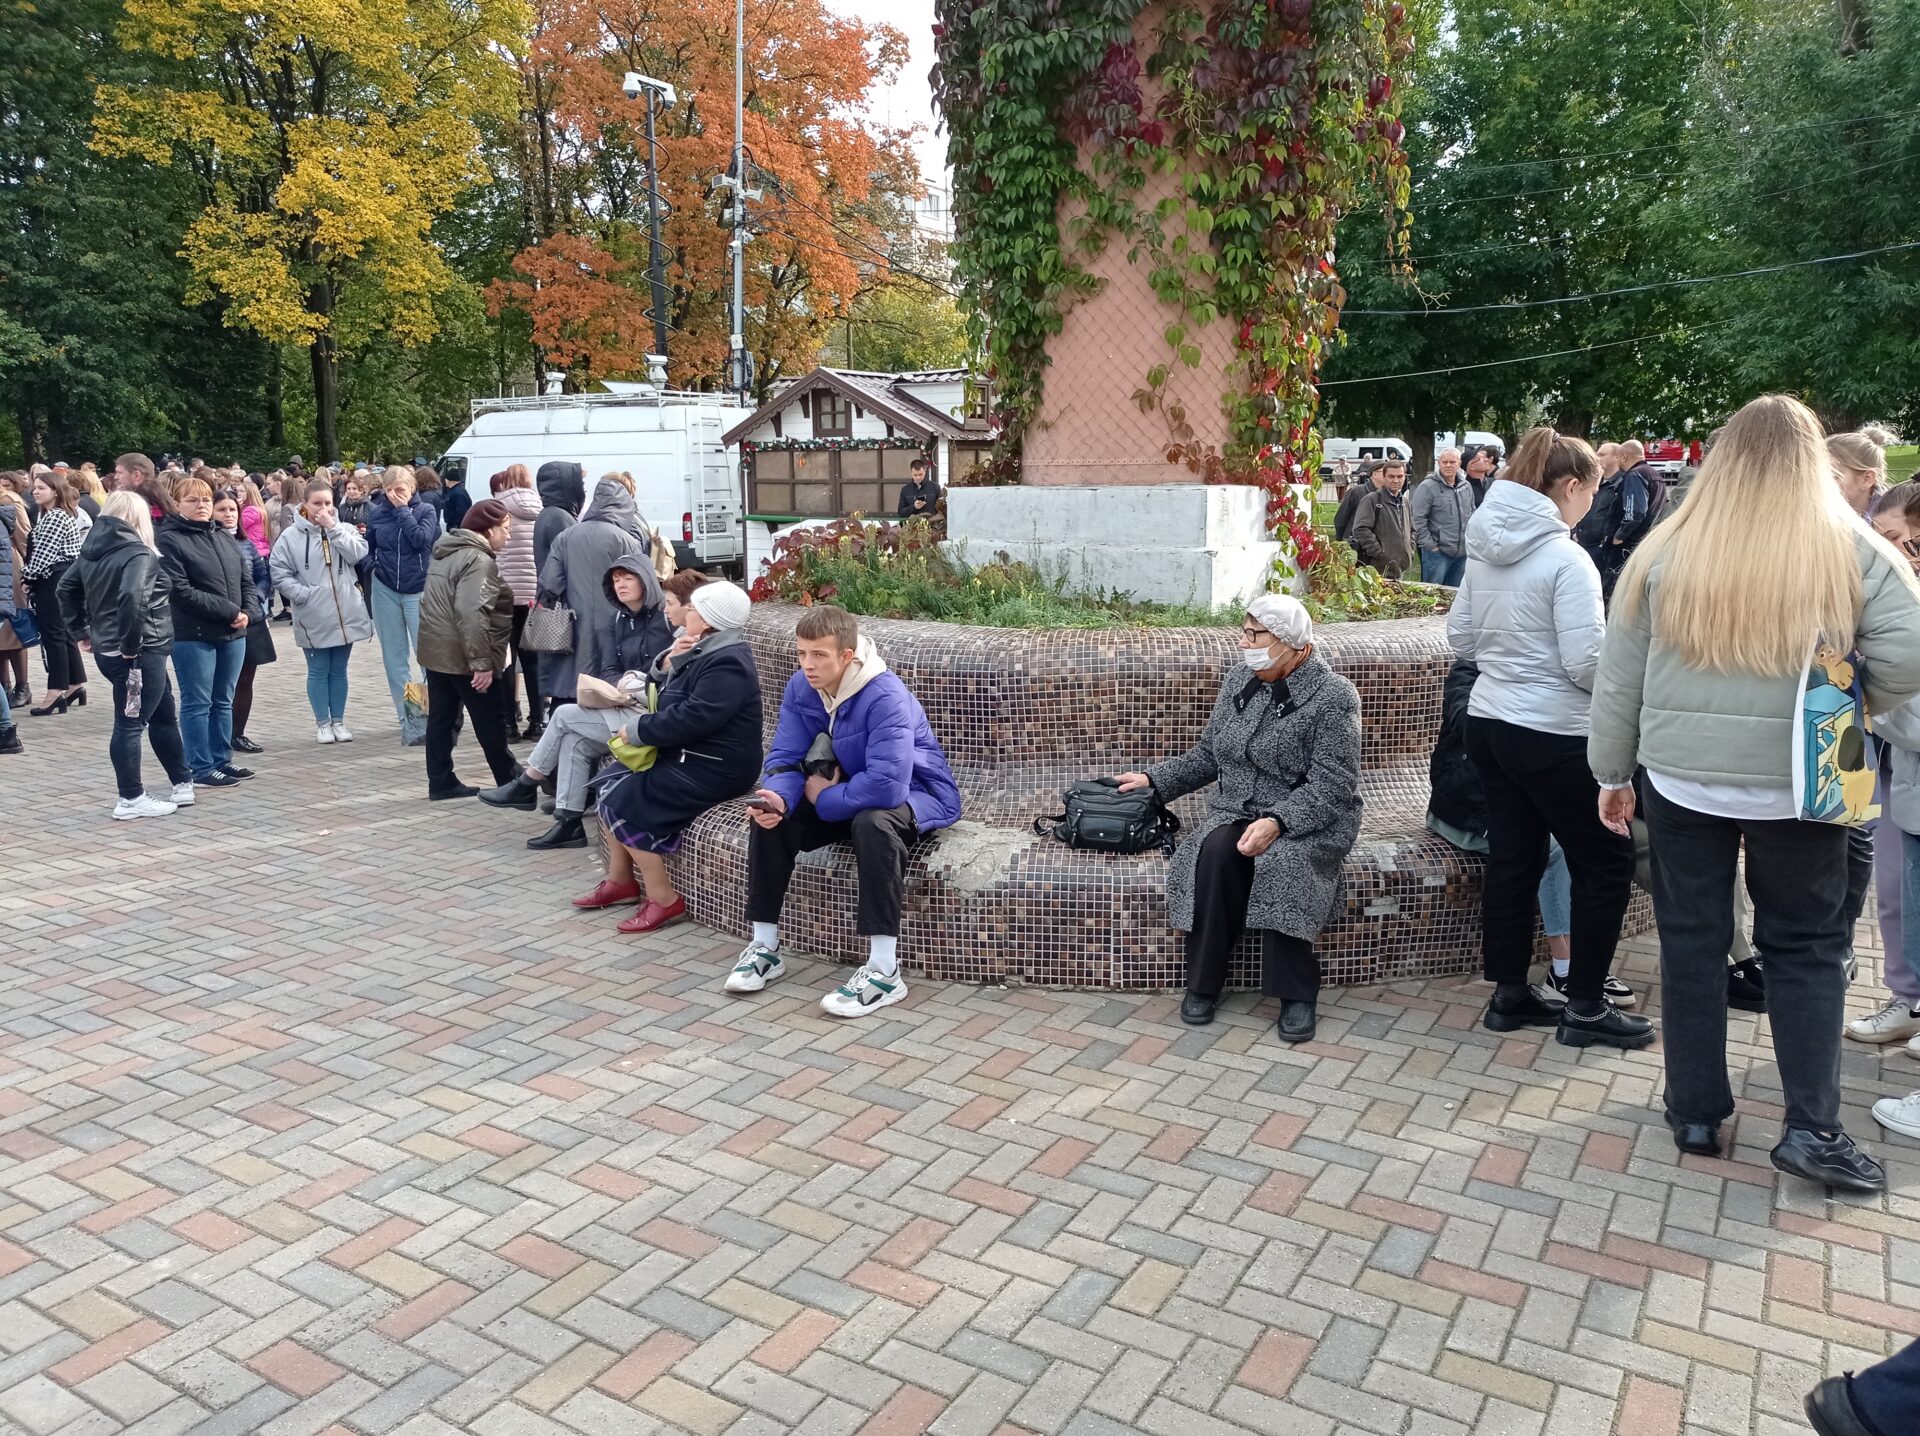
column 1021, row 714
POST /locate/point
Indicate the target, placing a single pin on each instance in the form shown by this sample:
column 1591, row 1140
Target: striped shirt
column 56, row 540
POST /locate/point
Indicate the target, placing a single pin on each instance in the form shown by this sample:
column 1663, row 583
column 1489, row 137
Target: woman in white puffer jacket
column 1528, row 614
column 513, row 486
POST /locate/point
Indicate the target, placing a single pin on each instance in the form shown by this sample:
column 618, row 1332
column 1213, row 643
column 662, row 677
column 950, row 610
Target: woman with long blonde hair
column 1714, row 623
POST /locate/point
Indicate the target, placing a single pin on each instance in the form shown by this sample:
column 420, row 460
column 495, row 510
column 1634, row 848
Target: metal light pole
column 656, row 262
column 737, row 339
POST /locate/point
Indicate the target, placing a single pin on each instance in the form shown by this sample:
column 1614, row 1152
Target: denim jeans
column 1901, row 967
column 157, row 717
column 1437, row 567
column 207, row 674
column 1888, row 1394
column 1797, row 878
column 6, row 709
column 327, row 682
column 575, row 737
column 396, row 622
column 1556, row 894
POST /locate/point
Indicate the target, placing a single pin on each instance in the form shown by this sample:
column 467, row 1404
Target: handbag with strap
column 637, row 757
column 548, row 629
column 1100, row 818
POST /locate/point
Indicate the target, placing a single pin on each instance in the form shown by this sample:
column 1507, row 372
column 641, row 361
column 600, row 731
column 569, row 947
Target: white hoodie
column 1528, row 614
column 867, row 665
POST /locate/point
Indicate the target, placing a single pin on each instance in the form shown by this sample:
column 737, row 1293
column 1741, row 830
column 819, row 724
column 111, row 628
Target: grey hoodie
column 1528, row 614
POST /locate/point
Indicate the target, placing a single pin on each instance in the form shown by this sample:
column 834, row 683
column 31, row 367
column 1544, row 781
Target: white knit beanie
column 722, row 605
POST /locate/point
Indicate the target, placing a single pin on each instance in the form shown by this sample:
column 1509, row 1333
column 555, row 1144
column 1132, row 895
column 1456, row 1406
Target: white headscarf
column 1284, row 616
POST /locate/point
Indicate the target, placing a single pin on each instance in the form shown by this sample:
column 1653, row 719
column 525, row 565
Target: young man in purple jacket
column 886, row 783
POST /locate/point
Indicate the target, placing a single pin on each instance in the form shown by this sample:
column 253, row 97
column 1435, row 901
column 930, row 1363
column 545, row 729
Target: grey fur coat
column 1288, row 750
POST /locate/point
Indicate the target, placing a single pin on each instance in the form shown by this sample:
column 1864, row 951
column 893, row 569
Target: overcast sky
column 910, row 101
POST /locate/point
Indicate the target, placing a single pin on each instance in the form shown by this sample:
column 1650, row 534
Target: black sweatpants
column 880, row 838
column 447, row 694
column 1539, row 785
column 1222, row 887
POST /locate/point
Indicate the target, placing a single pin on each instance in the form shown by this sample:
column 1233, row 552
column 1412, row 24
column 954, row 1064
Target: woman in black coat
column 210, row 586
column 707, row 730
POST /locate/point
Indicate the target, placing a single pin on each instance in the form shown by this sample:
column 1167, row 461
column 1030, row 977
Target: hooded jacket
column 313, row 570
column 206, row 578
column 631, row 642
column 1440, row 515
column 562, row 487
column 466, row 610
column 576, row 572
column 401, row 540
column 516, row 559
column 1381, row 533
column 115, row 596
column 881, row 739
column 1528, row 614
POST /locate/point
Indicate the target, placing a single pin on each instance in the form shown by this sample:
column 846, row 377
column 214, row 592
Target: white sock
column 767, row 934
column 883, row 955
column 1560, row 966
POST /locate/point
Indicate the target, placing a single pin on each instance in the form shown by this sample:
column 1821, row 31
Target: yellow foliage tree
column 326, row 135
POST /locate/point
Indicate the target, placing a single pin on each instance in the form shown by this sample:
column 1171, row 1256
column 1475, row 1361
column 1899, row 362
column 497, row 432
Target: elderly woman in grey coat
column 1283, row 749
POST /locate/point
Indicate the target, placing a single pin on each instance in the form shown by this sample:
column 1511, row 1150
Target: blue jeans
column 157, row 716
column 207, row 674
column 1888, row 1395
column 1437, row 567
column 396, row 622
column 1556, row 894
column 6, row 709
column 327, row 682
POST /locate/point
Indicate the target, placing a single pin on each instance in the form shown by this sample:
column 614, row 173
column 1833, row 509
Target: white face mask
column 1258, row 659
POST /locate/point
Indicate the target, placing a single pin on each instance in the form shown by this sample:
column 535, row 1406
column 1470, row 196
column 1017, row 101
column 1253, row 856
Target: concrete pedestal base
column 1168, row 543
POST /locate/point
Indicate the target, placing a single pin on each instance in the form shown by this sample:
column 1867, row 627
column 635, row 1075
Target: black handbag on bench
column 1102, row 819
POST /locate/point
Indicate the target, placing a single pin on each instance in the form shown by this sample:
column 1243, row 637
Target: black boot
column 10, row 740
column 567, row 832
column 522, row 793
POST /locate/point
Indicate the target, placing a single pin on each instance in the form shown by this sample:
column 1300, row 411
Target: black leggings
column 520, row 666
column 243, row 698
column 1222, row 888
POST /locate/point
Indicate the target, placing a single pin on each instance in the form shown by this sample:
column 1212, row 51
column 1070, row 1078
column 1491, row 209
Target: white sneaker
column 323, row 733
column 340, row 733
column 1895, row 1022
column 144, row 806
column 756, row 968
column 1899, row 1114
column 183, row 795
column 866, row 991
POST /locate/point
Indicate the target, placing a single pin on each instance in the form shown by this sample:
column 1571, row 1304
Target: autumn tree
column 322, row 141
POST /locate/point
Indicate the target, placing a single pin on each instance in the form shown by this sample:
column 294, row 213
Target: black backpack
column 1102, row 819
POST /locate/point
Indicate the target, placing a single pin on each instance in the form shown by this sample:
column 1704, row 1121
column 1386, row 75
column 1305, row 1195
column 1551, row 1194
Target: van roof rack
column 623, row 394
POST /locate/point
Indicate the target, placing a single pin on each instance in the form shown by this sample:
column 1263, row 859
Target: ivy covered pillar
column 1145, row 197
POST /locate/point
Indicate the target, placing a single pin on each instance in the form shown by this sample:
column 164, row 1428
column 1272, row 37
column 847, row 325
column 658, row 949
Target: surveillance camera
column 634, row 83
column 630, row 87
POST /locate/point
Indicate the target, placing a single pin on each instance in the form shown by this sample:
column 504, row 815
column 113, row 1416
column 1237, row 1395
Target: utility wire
column 1523, row 358
column 1644, row 288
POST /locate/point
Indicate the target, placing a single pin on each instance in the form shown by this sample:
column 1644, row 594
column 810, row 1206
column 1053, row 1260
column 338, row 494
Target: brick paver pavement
column 321, row 1113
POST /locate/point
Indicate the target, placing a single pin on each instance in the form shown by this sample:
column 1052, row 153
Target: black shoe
column 533, row 731
column 247, row 745
column 1299, row 1020
column 1747, row 985
column 10, row 740
column 1833, row 1161
column 1611, row 1028
column 1831, row 1411
column 78, row 697
column 522, row 793
column 54, row 705
column 1700, row 1138
column 567, row 832
column 218, row 778
column 1617, row 993
column 458, row 790
column 1536, row 1009
column 234, row 772
column 1196, row 1010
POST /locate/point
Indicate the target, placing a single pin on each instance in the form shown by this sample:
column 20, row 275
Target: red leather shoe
column 653, row 916
column 608, row 894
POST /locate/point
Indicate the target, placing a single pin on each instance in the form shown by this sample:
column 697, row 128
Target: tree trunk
column 1421, row 416
column 1855, row 33
column 326, row 376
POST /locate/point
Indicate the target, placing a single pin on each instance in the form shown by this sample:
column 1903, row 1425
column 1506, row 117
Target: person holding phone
column 313, row 565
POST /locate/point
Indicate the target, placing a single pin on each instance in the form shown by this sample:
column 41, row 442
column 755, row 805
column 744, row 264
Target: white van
column 1355, row 451
column 686, row 482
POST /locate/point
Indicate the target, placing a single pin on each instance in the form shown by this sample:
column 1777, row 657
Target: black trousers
column 1222, row 887
column 1539, row 785
column 447, row 694
column 65, row 667
column 518, row 666
column 880, row 838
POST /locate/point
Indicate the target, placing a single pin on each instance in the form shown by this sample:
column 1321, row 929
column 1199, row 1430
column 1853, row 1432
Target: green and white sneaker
column 756, row 968
column 863, row 993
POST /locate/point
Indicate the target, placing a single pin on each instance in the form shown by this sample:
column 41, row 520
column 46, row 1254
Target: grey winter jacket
column 313, row 569
column 1650, row 709
column 575, row 572
column 1290, row 751
column 1900, row 727
column 1528, row 614
column 1440, row 514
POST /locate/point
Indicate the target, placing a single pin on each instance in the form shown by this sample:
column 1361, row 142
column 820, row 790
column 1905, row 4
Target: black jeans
column 880, row 838
column 447, row 694
column 1222, row 887
column 159, row 719
column 1797, row 878
column 65, row 667
column 520, row 665
column 1539, row 785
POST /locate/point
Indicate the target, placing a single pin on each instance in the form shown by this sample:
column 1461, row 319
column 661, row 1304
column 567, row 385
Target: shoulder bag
column 1100, row 818
column 548, row 629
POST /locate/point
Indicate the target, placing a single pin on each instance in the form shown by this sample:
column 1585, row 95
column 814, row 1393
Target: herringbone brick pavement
column 321, row 1113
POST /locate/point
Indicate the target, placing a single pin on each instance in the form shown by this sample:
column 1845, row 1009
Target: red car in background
column 1668, row 456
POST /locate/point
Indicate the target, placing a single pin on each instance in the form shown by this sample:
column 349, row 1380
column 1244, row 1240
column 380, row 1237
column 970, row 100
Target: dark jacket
column 401, row 541
column 466, row 610
column 354, row 513
column 1349, row 501
column 707, row 729
column 206, row 578
column 927, row 489
column 115, row 595
column 1642, row 494
column 1382, row 533
column 259, row 635
column 562, row 487
column 1458, row 799
column 454, row 506
column 576, row 571
column 629, row 641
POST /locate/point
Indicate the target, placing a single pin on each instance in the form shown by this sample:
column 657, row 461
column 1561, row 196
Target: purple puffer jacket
column 884, row 745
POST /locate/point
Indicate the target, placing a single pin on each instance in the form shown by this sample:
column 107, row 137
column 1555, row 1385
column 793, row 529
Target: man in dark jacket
column 1350, row 500
column 1622, row 513
column 208, row 585
column 853, row 760
column 920, row 499
column 1478, row 462
column 1382, row 534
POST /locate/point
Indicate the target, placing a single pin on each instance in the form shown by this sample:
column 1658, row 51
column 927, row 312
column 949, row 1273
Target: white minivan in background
column 686, row 482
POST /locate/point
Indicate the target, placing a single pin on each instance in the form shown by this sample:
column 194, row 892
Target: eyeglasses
column 1258, row 635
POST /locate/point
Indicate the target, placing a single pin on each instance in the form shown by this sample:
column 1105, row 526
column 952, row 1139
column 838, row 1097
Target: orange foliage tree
column 835, row 191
